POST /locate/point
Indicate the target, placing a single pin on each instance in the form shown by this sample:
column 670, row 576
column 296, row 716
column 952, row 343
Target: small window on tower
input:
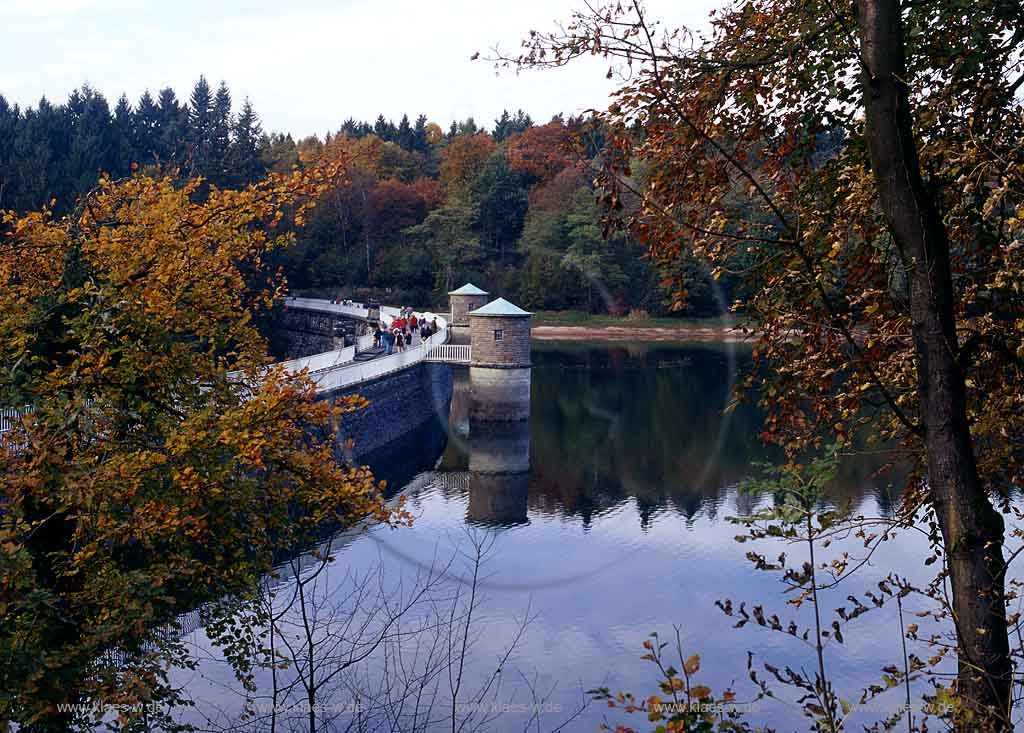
column 499, row 334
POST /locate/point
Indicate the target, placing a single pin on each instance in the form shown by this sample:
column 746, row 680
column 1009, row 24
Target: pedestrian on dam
column 400, row 340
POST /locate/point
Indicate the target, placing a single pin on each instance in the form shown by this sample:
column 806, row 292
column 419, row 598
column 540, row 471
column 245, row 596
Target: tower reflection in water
column 489, row 460
column 499, row 472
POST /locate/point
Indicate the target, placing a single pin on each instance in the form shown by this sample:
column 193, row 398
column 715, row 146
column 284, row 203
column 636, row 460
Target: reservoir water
column 601, row 520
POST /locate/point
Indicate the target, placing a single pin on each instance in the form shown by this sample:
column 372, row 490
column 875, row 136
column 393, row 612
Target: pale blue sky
column 305, row 65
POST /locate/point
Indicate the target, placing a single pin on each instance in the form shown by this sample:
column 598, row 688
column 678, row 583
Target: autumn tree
column 158, row 463
column 462, row 160
column 540, row 151
column 863, row 162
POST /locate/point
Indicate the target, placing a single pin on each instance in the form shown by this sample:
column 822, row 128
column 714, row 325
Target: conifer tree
column 9, row 123
column 89, row 142
column 244, row 163
column 200, row 127
column 220, row 135
column 385, row 129
column 404, row 135
column 501, row 126
column 419, row 135
column 350, row 128
column 172, row 129
column 123, row 147
column 146, row 130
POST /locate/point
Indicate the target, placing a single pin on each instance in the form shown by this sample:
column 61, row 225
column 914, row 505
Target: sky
column 306, row 65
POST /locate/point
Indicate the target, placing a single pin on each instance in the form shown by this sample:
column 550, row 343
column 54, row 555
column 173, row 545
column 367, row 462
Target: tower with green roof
column 499, row 369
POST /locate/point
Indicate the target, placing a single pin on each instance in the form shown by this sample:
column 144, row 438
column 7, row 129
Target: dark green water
column 605, row 521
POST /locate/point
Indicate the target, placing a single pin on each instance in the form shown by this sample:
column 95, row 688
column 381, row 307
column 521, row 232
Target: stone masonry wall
column 463, row 304
column 513, row 350
column 308, row 332
column 499, row 394
column 399, row 403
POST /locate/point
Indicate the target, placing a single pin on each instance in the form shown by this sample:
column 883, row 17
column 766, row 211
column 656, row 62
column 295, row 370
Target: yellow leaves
column 700, row 692
column 692, row 665
column 142, row 442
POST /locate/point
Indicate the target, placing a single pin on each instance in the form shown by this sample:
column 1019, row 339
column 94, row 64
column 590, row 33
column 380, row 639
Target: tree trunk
column 972, row 529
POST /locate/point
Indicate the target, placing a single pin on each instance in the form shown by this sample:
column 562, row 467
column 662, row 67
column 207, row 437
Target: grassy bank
column 590, row 320
column 573, row 326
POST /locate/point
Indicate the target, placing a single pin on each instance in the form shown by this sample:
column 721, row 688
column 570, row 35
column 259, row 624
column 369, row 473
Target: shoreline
column 634, row 334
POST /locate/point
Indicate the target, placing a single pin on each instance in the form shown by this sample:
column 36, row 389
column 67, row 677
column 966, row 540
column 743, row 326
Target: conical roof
column 468, row 289
column 499, row 307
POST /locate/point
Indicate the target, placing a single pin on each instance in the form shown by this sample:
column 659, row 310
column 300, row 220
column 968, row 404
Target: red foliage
column 395, row 206
column 541, row 151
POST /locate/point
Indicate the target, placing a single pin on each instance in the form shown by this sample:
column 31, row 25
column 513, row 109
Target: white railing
column 337, row 369
column 320, row 362
column 10, row 417
column 363, row 371
column 451, row 353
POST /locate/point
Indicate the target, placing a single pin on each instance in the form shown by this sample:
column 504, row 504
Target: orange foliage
column 540, row 151
column 462, row 160
column 160, row 459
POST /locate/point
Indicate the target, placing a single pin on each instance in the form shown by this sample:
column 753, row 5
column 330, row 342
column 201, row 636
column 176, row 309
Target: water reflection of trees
column 648, row 423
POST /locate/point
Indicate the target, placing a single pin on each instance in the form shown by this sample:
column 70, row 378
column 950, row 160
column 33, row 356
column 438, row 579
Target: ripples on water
column 607, row 513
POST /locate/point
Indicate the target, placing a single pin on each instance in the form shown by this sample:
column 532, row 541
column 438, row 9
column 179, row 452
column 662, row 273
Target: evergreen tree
column 90, row 142
column 501, row 126
column 502, row 196
column 39, row 146
column 123, row 152
column 171, row 130
column 146, row 130
column 10, row 119
column 385, row 129
column 508, row 124
column 420, row 144
column 404, row 134
column 520, row 122
column 220, row 135
column 468, row 127
column 200, row 128
column 244, row 163
column 350, row 128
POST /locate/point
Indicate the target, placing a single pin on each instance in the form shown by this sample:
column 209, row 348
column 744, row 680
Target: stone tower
column 499, row 473
column 468, row 297
column 499, row 369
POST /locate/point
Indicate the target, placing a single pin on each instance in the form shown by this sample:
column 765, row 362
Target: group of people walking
column 404, row 331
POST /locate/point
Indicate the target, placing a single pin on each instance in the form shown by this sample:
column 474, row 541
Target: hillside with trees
column 511, row 208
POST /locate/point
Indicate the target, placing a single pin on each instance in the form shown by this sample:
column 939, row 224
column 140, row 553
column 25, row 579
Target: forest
column 511, row 208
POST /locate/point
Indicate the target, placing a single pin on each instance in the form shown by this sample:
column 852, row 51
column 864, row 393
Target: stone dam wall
column 400, row 404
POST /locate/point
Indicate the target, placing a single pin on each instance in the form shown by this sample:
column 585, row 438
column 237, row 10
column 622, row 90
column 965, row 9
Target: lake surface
column 602, row 520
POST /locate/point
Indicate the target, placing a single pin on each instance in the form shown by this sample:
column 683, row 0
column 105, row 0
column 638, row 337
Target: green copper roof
column 499, row 307
column 468, row 289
